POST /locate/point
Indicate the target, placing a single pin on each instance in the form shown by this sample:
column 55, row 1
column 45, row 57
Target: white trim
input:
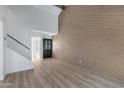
column 28, row 68
column 43, row 32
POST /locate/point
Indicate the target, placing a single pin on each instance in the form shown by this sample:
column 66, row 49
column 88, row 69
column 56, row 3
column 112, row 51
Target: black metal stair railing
column 18, row 42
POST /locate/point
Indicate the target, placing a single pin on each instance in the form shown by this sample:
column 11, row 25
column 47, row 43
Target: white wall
column 39, row 37
column 16, row 62
column 36, row 47
column 34, row 18
column 47, row 36
column 49, row 8
column 1, row 51
column 18, row 29
column 2, row 41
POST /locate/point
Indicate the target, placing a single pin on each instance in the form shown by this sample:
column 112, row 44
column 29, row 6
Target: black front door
column 47, row 48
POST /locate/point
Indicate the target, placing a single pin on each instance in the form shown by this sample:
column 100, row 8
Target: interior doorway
column 37, row 51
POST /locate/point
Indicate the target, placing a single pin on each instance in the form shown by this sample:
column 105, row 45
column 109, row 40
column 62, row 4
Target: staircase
column 18, row 55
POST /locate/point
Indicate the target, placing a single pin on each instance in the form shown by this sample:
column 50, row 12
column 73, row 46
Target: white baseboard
column 18, row 70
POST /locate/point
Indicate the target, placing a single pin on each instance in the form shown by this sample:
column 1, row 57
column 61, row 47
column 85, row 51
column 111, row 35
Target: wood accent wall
column 95, row 35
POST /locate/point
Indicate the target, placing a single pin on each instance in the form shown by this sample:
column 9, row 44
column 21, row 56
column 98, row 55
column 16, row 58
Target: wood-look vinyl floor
column 53, row 73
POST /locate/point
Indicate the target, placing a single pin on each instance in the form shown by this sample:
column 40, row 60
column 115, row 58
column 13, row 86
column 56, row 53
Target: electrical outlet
column 86, row 58
column 80, row 61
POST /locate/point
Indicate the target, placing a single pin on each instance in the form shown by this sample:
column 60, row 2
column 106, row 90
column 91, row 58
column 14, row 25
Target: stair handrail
column 18, row 42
